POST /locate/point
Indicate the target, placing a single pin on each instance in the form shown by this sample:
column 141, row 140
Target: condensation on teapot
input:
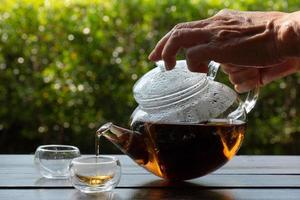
column 180, row 96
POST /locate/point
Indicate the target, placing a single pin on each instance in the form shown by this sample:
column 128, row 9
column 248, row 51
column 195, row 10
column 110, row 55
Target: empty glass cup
column 92, row 174
column 53, row 161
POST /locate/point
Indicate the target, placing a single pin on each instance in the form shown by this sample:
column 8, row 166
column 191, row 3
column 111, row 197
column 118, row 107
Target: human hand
column 247, row 78
column 233, row 37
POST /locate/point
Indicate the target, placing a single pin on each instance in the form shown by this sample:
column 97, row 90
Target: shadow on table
column 98, row 196
column 75, row 194
column 153, row 190
column 149, row 192
column 178, row 190
column 52, row 182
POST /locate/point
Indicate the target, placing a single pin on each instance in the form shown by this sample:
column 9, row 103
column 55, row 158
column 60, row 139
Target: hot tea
column 179, row 151
column 94, row 180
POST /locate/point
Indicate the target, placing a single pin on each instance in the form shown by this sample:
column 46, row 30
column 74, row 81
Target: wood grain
column 238, row 165
column 243, row 178
column 151, row 181
column 152, row 194
column 18, row 171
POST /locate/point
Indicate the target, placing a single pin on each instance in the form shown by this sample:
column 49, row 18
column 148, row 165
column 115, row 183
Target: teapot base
column 185, row 151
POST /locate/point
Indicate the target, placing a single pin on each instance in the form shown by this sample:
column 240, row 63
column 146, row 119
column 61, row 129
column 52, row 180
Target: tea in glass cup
column 53, row 161
column 93, row 174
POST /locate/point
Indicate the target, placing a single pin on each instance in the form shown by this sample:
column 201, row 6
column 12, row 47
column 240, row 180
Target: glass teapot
column 186, row 124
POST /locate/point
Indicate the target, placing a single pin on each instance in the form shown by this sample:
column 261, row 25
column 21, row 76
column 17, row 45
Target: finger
column 155, row 55
column 201, row 68
column 229, row 68
column 214, row 51
column 244, row 76
column 245, row 86
column 182, row 38
column 198, row 54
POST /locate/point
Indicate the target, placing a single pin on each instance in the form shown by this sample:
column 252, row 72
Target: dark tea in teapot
column 179, row 151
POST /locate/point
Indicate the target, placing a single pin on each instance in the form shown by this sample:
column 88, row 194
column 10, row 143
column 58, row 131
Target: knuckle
column 176, row 34
column 223, row 11
column 227, row 34
column 248, row 19
column 232, row 22
column 180, row 25
column 222, row 34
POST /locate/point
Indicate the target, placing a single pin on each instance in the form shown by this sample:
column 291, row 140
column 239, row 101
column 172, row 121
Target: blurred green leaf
column 68, row 66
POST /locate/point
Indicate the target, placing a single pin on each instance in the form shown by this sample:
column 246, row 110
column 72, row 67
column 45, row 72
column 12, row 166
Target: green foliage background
column 68, row 66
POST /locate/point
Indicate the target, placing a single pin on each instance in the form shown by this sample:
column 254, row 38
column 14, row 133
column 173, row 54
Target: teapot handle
column 213, row 68
column 246, row 105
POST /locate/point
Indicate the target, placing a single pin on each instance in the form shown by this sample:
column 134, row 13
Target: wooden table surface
column 244, row 177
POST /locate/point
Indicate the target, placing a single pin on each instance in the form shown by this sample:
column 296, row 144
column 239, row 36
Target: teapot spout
column 126, row 140
column 113, row 133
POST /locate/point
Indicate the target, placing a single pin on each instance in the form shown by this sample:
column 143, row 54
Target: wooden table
column 244, row 177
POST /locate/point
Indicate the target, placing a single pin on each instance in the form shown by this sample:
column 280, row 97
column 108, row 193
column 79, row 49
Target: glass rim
column 78, row 161
column 68, row 148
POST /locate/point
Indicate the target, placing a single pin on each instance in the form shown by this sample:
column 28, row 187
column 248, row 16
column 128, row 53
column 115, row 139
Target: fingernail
column 169, row 66
column 237, row 88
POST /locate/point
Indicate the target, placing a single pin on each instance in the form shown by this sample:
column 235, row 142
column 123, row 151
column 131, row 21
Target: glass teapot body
column 186, row 124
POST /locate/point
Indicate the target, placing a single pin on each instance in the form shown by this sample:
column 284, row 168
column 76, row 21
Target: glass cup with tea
column 52, row 161
column 94, row 174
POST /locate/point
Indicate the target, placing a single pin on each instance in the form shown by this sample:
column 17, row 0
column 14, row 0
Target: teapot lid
column 158, row 86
